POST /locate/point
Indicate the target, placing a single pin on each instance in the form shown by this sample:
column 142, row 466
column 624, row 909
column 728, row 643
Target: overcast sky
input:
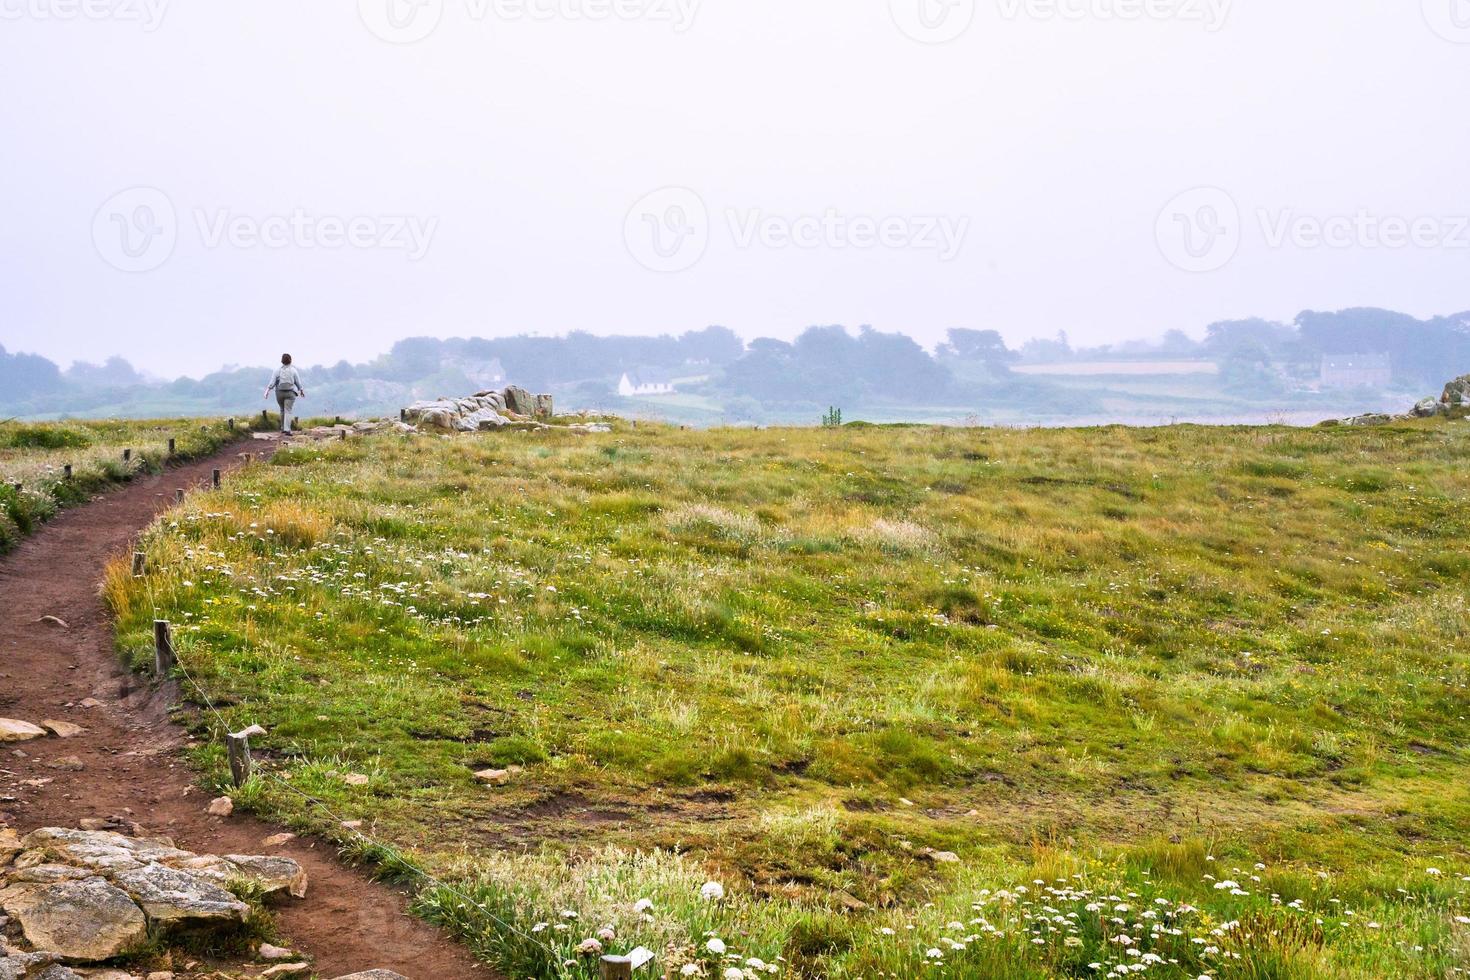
column 196, row 183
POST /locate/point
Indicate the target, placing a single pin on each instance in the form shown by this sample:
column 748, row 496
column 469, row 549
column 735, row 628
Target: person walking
column 286, row 383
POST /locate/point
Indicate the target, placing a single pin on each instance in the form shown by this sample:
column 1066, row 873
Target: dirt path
column 130, row 753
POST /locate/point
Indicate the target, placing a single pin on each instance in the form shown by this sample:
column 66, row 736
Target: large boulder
column 518, row 401
column 175, row 898
column 82, row 921
column 1428, row 408
column 13, row 730
column 101, row 851
column 373, row 975
column 1457, row 392
column 545, row 407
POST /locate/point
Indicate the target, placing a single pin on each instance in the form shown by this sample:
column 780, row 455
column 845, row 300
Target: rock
column 56, row 621
column 67, row 763
column 1457, row 392
column 1429, row 408
column 221, row 806
column 544, row 406
column 106, row 975
column 103, row 852
column 355, row 779
column 50, row 874
column 31, row 966
column 10, row 845
column 58, row 972
column 269, row 952
column 286, row 970
column 940, row 857
column 83, row 921
column 172, row 897
column 372, row 975
column 518, row 401
column 272, row 874
column 352, row 825
column 62, row 729
column 90, row 703
column 12, row 730
column 494, row 777
column 278, row 840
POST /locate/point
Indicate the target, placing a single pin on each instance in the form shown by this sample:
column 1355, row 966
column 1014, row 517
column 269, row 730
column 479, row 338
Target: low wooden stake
column 237, row 744
column 171, row 446
column 66, row 472
column 617, row 968
column 231, row 424
column 179, row 495
column 164, row 659
column 17, row 487
column 140, row 564
column 127, row 455
column 264, row 417
column 403, row 415
column 214, row 477
column 344, row 435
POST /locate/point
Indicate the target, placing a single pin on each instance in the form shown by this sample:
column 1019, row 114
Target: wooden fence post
column 179, row 495
column 164, row 658
column 617, row 968
column 214, row 477
column 140, row 564
column 17, row 487
column 237, row 744
column 66, row 472
column 127, row 455
column 232, row 424
column 264, row 417
column 171, row 447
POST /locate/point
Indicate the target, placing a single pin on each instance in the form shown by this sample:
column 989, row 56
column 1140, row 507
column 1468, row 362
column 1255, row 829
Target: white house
column 635, row 388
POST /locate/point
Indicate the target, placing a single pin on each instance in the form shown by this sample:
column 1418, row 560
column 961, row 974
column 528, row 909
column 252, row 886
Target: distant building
column 1356, row 371
column 485, row 374
column 637, row 387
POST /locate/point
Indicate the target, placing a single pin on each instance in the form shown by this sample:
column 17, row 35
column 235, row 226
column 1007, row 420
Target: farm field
column 865, row 701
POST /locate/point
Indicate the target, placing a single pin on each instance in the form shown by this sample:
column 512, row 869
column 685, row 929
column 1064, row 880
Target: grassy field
column 35, row 456
column 866, row 701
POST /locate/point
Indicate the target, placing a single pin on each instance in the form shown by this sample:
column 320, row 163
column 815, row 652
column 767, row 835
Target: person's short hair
column 285, row 358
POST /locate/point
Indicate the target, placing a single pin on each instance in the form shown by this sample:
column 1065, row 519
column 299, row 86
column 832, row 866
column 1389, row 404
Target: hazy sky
column 196, row 183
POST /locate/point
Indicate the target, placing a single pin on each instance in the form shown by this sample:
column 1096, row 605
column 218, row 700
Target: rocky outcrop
column 513, row 409
column 83, row 921
column 1454, row 403
column 83, row 896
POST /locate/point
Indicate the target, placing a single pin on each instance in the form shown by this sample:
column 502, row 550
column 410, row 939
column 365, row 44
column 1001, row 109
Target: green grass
column 1109, row 667
column 35, row 456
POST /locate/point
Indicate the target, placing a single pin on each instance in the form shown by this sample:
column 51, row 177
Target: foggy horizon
column 199, row 186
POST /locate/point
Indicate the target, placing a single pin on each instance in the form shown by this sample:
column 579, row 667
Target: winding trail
column 130, row 753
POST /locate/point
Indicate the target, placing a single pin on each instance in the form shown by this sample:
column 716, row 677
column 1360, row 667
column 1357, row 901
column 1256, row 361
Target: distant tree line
column 824, row 366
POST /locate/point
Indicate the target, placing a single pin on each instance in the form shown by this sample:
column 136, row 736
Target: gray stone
column 101, row 850
column 545, row 406
column 173, row 897
column 271, row 874
column 82, row 921
column 373, row 975
column 33, row 966
column 1457, row 392
column 518, row 401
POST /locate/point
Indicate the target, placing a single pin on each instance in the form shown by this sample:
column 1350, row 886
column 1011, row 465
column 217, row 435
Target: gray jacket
column 286, row 382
